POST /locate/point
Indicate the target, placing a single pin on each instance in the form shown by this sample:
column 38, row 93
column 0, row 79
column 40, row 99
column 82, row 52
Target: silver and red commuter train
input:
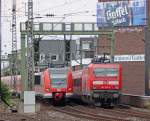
column 52, row 83
column 58, row 83
column 96, row 83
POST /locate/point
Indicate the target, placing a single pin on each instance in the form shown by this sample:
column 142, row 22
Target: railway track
column 79, row 111
column 101, row 114
column 134, row 113
column 15, row 117
column 87, row 115
column 128, row 114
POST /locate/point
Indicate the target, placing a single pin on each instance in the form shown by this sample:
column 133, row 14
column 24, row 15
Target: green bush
column 6, row 95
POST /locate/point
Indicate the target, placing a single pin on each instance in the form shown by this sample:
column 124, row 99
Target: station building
column 132, row 45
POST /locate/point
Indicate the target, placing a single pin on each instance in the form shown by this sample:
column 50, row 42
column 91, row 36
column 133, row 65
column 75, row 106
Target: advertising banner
column 121, row 13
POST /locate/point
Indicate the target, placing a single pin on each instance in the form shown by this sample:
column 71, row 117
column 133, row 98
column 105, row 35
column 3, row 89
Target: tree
column 6, row 95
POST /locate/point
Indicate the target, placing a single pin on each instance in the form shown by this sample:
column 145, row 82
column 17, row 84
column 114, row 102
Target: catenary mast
column 30, row 53
column 14, row 46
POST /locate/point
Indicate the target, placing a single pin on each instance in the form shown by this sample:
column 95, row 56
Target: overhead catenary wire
column 38, row 15
column 80, row 13
column 37, row 12
column 61, row 5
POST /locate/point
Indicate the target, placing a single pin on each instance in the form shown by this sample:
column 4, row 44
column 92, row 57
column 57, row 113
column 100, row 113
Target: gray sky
column 79, row 11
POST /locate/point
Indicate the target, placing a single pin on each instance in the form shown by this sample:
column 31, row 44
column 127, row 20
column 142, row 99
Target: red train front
column 98, row 83
column 57, row 83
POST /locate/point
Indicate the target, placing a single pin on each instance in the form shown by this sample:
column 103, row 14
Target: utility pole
column 14, row 46
column 0, row 51
column 30, row 50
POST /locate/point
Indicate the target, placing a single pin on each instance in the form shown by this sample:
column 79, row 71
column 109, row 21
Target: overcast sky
column 77, row 11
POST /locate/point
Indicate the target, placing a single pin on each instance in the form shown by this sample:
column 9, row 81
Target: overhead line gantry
column 55, row 28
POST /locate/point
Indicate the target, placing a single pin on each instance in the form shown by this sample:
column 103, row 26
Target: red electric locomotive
column 57, row 83
column 98, row 83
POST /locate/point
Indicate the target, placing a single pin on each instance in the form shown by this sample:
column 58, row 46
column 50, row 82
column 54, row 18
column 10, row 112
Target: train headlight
column 48, row 90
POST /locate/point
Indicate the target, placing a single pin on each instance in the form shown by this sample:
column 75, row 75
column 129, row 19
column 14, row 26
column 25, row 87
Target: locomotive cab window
column 106, row 72
column 37, row 79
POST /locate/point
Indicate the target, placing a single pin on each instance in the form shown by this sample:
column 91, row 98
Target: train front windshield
column 58, row 83
column 58, row 77
column 98, row 72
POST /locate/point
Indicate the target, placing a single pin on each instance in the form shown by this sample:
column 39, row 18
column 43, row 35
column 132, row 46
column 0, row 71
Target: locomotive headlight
column 69, row 89
column 115, row 95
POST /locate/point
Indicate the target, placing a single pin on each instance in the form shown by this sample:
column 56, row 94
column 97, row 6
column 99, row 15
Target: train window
column 105, row 72
column 37, row 79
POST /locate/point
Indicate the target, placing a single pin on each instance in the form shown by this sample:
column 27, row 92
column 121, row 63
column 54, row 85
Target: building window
column 42, row 57
column 54, row 57
column 86, row 46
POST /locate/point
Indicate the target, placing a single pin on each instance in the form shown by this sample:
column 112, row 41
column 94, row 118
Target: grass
column 6, row 95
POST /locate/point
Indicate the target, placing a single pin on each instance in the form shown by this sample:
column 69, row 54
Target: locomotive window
column 37, row 79
column 105, row 72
